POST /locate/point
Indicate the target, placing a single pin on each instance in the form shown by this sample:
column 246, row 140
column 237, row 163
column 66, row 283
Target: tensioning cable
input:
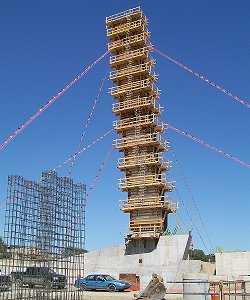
column 87, row 123
column 50, row 102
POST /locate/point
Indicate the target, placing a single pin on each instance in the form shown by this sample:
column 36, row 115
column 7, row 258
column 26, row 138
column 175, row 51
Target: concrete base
column 140, row 246
column 233, row 263
column 168, row 260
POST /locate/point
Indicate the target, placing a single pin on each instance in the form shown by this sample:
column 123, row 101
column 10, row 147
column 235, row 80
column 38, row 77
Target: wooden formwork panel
column 138, row 40
column 150, row 179
column 148, row 202
column 137, row 103
column 145, row 85
column 143, row 120
column 131, row 27
column 147, row 139
column 136, row 70
column 136, row 54
column 146, row 159
column 139, row 125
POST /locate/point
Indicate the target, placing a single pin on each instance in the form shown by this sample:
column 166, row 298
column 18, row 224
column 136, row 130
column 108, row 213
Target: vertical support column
column 141, row 141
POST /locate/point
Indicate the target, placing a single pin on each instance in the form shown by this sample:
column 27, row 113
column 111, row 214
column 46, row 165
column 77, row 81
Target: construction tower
column 139, row 126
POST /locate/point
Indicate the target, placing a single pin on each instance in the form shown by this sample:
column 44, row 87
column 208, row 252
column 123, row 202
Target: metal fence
column 209, row 290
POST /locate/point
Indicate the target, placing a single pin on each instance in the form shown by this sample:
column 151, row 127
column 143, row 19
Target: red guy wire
column 204, row 78
column 209, row 146
column 98, row 175
column 81, row 150
column 87, row 123
column 51, row 101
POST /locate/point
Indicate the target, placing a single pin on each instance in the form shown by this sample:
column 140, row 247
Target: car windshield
column 107, row 277
column 45, row 271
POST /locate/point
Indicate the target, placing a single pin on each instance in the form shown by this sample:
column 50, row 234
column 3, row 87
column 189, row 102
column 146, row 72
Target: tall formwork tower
column 139, row 126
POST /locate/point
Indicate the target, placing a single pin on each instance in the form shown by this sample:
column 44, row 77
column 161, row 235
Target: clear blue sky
column 45, row 44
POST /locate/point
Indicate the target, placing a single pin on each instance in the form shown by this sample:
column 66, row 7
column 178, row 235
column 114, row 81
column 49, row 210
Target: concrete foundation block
column 167, row 260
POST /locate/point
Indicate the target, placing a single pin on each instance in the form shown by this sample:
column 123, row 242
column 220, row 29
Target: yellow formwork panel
column 143, row 120
column 141, row 85
column 155, row 180
column 140, row 53
column 137, row 103
column 152, row 230
column 134, row 40
column 144, row 69
column 146, row 159
column 142, row 140
column 139, row 124
column 145, row 220
column 130, row 27
column 164, row 203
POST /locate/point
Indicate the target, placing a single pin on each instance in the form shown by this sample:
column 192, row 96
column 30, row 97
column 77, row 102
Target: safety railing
column 138, row 25
column 149, row 102
column 147, row 228
column 144, row 68
column 135, row 54
column 123, row 14
column 144, row 231
column 144, row 159
column 146, row 221
column 149, row 202
column 134, row 39
column 146, row 180
column 145, row 85
column 146, row 139
column 144, row 120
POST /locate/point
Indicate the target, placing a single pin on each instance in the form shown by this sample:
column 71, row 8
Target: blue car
column 101, row 282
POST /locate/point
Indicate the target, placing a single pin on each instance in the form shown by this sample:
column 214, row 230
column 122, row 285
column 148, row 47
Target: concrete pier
column 168, row 259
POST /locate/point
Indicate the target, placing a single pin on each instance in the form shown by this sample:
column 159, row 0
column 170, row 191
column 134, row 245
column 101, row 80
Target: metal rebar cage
column 42, row 253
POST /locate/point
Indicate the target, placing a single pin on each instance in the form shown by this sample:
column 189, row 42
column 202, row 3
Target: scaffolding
column 139, row 125
column 44, row 238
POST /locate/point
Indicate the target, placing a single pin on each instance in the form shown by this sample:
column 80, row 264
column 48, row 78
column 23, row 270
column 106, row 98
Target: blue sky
column 45, row 44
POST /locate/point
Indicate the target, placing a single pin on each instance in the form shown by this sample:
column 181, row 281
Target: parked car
column 101, row 282
column 5, row 281
column 42, row 276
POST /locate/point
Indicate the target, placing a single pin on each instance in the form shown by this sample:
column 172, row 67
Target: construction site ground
column 70, row 294
column 118, row 295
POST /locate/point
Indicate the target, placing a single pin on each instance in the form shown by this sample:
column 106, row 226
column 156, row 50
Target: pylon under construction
column 139, row 126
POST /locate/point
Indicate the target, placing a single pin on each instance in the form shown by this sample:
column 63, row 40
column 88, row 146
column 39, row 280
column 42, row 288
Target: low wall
column 233, row 263
column 167, row 260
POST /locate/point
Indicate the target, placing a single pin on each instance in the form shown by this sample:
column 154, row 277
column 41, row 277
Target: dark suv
column 5, row 281
column 42, row 276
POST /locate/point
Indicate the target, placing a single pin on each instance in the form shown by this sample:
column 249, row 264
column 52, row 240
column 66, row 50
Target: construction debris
column 155, row 290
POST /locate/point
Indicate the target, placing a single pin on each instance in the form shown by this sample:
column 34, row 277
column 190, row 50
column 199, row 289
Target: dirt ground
column 86, row 295
column 118, row 295
column 25, row 293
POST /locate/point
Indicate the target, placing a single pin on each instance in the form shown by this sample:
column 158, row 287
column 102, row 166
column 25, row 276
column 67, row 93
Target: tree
column 3, row 246
column 3, row 250
column 70, row 251
column 198, row 254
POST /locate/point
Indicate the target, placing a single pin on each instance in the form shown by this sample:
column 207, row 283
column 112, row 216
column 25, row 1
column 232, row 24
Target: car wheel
column 49, row 285
column 111, row 288
column 18, row 283
column 62, row 287
column 83, row 287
